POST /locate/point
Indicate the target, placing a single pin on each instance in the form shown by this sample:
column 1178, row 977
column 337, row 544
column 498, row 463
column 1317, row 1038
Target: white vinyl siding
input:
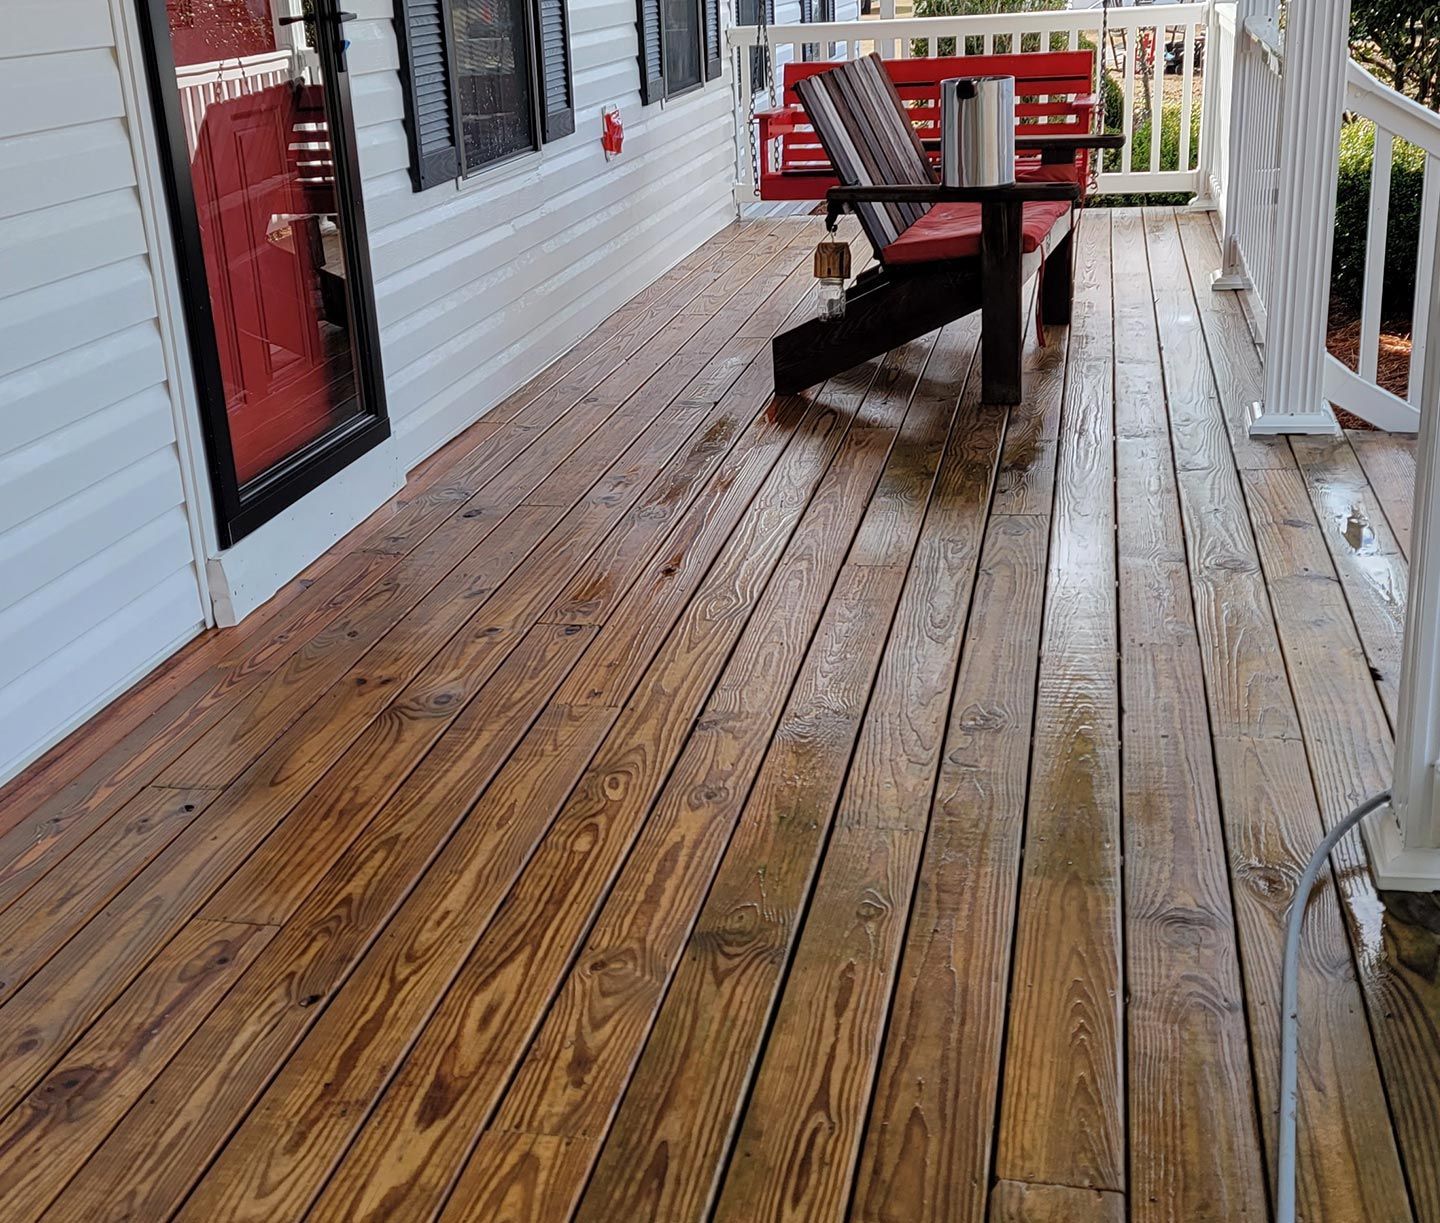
column 97, row 574
column 478, row 287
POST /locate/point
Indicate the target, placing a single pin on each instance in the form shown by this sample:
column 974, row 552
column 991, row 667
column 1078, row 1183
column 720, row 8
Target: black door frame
column 240, row 510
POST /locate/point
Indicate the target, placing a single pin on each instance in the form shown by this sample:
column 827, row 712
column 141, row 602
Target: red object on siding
column 612, row 132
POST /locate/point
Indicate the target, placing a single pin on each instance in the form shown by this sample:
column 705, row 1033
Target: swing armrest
column 840, row 198
column 1070, row 143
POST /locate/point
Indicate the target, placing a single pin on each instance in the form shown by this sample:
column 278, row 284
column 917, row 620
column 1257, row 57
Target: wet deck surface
column 683, row 804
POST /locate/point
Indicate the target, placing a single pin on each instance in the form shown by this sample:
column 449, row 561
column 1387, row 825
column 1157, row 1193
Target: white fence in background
column 202, row 85
column 1396, row 118
column 1134, row 56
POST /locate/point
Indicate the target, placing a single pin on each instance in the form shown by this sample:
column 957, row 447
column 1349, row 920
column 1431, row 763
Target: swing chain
column 1098, row 154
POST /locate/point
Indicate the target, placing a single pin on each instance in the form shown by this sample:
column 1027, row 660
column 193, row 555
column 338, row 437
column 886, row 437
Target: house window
column 679, row 46
column 681, row 40
column 494, row 80
column 484, row 81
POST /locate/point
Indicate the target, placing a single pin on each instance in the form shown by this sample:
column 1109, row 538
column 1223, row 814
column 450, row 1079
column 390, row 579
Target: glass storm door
column 254, row 98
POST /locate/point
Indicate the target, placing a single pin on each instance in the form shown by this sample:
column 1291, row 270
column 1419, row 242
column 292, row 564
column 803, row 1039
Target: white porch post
column 1312, row 95
column 1404, row 842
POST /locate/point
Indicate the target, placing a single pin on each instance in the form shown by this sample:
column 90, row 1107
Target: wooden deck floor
column 682, row 804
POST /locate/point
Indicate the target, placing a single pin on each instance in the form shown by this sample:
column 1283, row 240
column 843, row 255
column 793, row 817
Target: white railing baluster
column 1424, row 261
column 1187, row 97
column 989, row 43
column 1127, row 157
column 1375, row 239
column 1157, row 97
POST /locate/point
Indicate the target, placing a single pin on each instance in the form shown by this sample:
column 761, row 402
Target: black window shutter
column 557, row 90
column 422, row 28
column 652, row 71
column 710, row 11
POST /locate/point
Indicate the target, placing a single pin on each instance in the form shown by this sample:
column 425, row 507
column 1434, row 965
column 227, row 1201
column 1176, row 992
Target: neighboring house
column 170, row 456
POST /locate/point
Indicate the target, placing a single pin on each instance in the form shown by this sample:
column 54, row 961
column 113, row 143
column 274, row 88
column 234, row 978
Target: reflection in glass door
column 255, row 101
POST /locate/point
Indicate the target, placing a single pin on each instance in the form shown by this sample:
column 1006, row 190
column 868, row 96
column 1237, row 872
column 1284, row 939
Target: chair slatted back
column 858, row 116
column 1053, row 92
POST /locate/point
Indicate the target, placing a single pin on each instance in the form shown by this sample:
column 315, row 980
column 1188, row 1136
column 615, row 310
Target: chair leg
column 1058, row 282
column 1002, row 319
column 881, row 312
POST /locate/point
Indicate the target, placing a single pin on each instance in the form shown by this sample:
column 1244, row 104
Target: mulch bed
column 1393, row 371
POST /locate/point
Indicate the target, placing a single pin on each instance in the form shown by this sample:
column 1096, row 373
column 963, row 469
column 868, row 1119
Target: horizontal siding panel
column 561, row 185
column 45, row 92
column 85, row 597
column 99, row 574
column 54, row 318
column 596, row 86
column 54, row 393
column 49, row 699
column 36, row 26
column 41, row 169
column 428, row 281
column 67, row 461
column 603, row 14
column 446, row 414
column 377, row 98
column 42, row 548
column 601, row 49
column 411, row 388
column 453, row 318
column 453, row 267
column 383, row 150
column 372, row 47
column 39, row 247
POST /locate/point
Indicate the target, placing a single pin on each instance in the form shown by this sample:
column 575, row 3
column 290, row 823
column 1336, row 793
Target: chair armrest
column 1106, row 140
column 937, row 193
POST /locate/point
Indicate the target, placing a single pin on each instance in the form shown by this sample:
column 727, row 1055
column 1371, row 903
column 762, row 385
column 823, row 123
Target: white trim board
column 248, row 574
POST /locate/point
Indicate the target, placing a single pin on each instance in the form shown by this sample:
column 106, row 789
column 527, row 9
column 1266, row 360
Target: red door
column 270, row 227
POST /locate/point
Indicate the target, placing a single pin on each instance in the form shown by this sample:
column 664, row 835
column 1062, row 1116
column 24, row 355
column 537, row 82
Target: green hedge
column 1137, row 152
column 1352, row 220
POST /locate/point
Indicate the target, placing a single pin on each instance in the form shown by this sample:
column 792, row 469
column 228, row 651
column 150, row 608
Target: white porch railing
column 1135, row 58
column 1278, row 230
column 1395, row 118
column 1249, row 63
column 202, row 85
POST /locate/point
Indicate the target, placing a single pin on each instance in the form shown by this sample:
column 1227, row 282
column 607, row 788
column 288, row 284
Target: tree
column 978, row 8
column 1399, row 41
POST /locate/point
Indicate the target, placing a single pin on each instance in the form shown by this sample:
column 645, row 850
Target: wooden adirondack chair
column 942, row 252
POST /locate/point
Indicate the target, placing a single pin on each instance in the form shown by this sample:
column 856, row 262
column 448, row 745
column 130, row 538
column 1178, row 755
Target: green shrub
column 1137, row 153
column 1352, row 221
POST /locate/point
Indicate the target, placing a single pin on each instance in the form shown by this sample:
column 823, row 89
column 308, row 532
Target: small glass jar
column 832, row 270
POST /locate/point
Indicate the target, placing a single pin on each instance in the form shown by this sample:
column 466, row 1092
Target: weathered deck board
column 1182, row 960
column 1335, row 700
column 1064, row 1055
column 627, row 821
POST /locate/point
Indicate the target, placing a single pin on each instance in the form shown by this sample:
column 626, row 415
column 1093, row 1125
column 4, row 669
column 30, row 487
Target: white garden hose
column 1290, row 1009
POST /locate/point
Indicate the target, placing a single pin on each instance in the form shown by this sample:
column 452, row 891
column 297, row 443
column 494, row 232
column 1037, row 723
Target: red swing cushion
column 952, row 231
